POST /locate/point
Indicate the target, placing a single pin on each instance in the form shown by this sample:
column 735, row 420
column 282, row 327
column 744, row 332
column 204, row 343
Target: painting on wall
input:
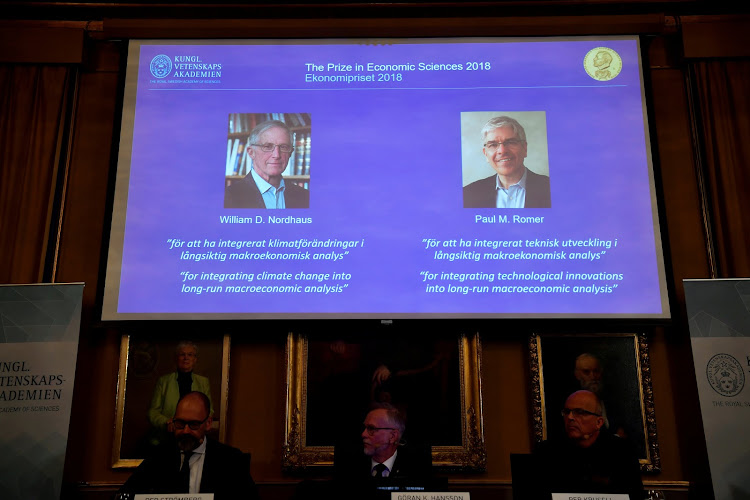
column 332, row 382
column 615, row 367
column 148, row 389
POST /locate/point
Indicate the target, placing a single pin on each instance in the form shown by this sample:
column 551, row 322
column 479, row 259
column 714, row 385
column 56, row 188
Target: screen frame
column 123, row 130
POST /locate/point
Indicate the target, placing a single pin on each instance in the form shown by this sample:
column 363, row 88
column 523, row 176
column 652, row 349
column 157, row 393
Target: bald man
column 588, row 459
column 192, row 463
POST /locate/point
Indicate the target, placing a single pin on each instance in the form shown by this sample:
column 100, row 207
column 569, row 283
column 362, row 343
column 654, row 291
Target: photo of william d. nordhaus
column 270, row 145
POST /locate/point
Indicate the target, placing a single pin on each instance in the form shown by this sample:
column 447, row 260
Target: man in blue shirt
column 513, row 185
column 270, row 147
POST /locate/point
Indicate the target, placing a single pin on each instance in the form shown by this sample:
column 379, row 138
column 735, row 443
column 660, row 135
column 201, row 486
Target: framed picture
column 615, row 367
column 332, row 382
column 148, row 390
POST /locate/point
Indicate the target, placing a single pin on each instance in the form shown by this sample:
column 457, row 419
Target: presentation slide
column 454, row 178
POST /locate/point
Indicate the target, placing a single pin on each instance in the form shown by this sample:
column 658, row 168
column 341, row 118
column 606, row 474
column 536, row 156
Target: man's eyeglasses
column 371, row 429
column 269, row 147
column 510, row 143
column 193, row 424
column 577, row 412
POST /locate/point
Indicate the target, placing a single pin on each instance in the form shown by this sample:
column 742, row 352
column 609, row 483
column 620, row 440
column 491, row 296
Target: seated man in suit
column 381, row 458
column 588, row 459
column 270, row 147
column 193, row 463
column 384, row 453
column 512, row 185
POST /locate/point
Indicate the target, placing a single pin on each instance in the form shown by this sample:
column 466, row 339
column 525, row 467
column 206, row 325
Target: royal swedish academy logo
column 602, row 63
column 725, row 375
column 161, row 66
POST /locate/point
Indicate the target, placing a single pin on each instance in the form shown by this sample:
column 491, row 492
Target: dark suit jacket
column 482, row 193
column 226, row 473
column 610, row 465
column 411, row 463
column 244, row 193
column 352, row 475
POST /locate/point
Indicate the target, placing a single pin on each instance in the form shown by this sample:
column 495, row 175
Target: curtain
column 723, row 99
column 33, row 110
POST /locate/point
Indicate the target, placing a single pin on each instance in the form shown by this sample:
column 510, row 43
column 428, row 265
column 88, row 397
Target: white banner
column 39, row 326
column 719, row 318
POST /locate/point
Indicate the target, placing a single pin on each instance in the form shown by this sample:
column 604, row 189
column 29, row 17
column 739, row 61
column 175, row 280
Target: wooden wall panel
column 716, row 36
column 675, row 392
column 506, row 402
column 36, row 44
column 686, row 243
column 393, row 27
column 92, row 417
column 257, row 385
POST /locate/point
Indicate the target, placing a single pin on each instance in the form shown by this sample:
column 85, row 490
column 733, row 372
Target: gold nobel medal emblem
column 602, row 64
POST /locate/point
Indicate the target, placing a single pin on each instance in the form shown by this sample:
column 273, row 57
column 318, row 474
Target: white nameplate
column 590, row 496
column 176, row 496
column 429, row 495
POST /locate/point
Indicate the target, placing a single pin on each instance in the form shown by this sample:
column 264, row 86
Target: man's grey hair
column 503, row 121
column 396, row 417
column 186, row 343
column 267, row 125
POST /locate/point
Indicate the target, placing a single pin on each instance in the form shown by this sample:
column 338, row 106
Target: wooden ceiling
column 302, row 9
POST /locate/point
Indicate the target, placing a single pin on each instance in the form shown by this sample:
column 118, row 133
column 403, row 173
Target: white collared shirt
column 388, row 464
column 514, row 196
column 273, row 197
column 196, row 466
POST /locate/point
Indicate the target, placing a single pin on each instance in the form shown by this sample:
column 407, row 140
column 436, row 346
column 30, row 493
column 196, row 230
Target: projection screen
column 454, row 178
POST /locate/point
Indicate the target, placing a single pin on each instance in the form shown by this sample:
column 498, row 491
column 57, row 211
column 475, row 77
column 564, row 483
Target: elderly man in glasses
column 380, row 459
column 193, row 463
column 270, row 147
column 512, row 185
column 588, row 459
column 384, row 451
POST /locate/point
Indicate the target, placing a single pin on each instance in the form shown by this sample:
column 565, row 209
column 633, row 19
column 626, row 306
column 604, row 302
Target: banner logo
column 602, row 63
column 725, row 375
column 161, row 66
column 185, row 68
